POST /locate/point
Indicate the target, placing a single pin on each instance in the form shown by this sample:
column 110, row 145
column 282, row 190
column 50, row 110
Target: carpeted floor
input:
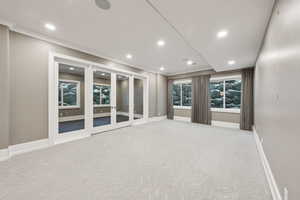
column 166, row 160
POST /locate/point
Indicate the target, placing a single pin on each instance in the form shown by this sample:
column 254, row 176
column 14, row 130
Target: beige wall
column 216, row 116
column 4, row 87
column 29, row 86
column 277, row 96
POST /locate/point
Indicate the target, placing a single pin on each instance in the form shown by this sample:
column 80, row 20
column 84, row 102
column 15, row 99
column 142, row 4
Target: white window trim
column 101, row 105
column 77, row 95
column 224, row 79
column 180, row 82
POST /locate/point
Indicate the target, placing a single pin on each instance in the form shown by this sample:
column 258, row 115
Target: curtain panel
column 201, row 100
column 247, row 101
column 170, row 109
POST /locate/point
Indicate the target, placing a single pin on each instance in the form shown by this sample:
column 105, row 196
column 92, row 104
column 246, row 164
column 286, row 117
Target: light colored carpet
column 166, row 160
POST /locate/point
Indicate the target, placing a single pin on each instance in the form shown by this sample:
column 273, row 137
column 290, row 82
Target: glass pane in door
column 122, row 98
column 138, row 98
column 70, row 98
column 101, row 99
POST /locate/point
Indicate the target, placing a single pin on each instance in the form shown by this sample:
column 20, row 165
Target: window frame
column 77, row 94
column 224, row 79
column 100, row 100
column 180, row 82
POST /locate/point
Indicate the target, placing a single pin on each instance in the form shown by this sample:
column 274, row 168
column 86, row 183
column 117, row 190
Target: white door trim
column 89, row 66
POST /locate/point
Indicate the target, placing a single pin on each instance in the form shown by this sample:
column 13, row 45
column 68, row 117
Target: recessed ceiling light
column 161, row 43
column 222, row 34
column 50, row 27
column 162, row 68
column 71, row 68
column 189, row 62
column 129, row 56
column 231, row 62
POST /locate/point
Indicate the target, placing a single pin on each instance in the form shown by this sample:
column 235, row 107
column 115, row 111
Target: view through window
column 225, row 94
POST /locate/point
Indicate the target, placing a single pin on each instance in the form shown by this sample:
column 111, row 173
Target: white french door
column 87, row 98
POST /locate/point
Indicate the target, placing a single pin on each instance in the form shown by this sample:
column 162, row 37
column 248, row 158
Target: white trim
column 225, row 124
column 28, row 147
column 4, row 154
column 101, row 105
column 268, row 171
column 77, row 95
column 54, row 59
column 186, row 119
column 226, row 110
column 183, row 107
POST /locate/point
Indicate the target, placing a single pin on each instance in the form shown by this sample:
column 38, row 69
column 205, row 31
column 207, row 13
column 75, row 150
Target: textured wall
column 4, row 87
column 29, row 83
column 277, row 97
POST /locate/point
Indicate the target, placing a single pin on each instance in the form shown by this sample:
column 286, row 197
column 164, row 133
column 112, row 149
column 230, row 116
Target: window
column 68, row 94
column 226, row 95
column 101, row 95
column 182, row 94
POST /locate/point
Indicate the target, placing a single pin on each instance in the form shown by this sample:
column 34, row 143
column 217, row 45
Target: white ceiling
column 133, row 26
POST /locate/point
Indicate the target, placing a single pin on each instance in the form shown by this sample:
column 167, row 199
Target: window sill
column 69, row 107
column 99, row 106
column 183, row 107
column 225, row 110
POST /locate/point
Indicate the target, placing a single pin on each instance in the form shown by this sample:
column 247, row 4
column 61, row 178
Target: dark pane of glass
column 105, row 95
column 59, row 95
column 176, row 95
column 69, row 93
column 186, row 94
column 217, row 94
column 233, row 94
column 97, row 94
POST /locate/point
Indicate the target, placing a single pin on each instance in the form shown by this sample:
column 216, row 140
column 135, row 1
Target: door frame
column 89, row 66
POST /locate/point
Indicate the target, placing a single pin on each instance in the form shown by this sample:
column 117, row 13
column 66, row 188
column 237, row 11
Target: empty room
column 149, row 100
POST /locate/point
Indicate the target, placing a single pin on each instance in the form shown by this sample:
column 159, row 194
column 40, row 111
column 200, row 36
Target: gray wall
column 29, row 86
column 216, row 116
column 277, row 97
column 4, row 87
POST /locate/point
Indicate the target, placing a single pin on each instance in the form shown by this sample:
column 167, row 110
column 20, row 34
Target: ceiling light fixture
column 231, row 62
column 50, row 27
column 161, row 43
column 71, row 68
column 222, row 34
column 162, row 68
column 189, row 62
column 129, row 56
column 103, row 4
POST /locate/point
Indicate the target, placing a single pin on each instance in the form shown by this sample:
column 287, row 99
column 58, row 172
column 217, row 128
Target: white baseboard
column 268, row 172
column 186, row 119
column 28, row 146
column 225, row 124
column 4, row 155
